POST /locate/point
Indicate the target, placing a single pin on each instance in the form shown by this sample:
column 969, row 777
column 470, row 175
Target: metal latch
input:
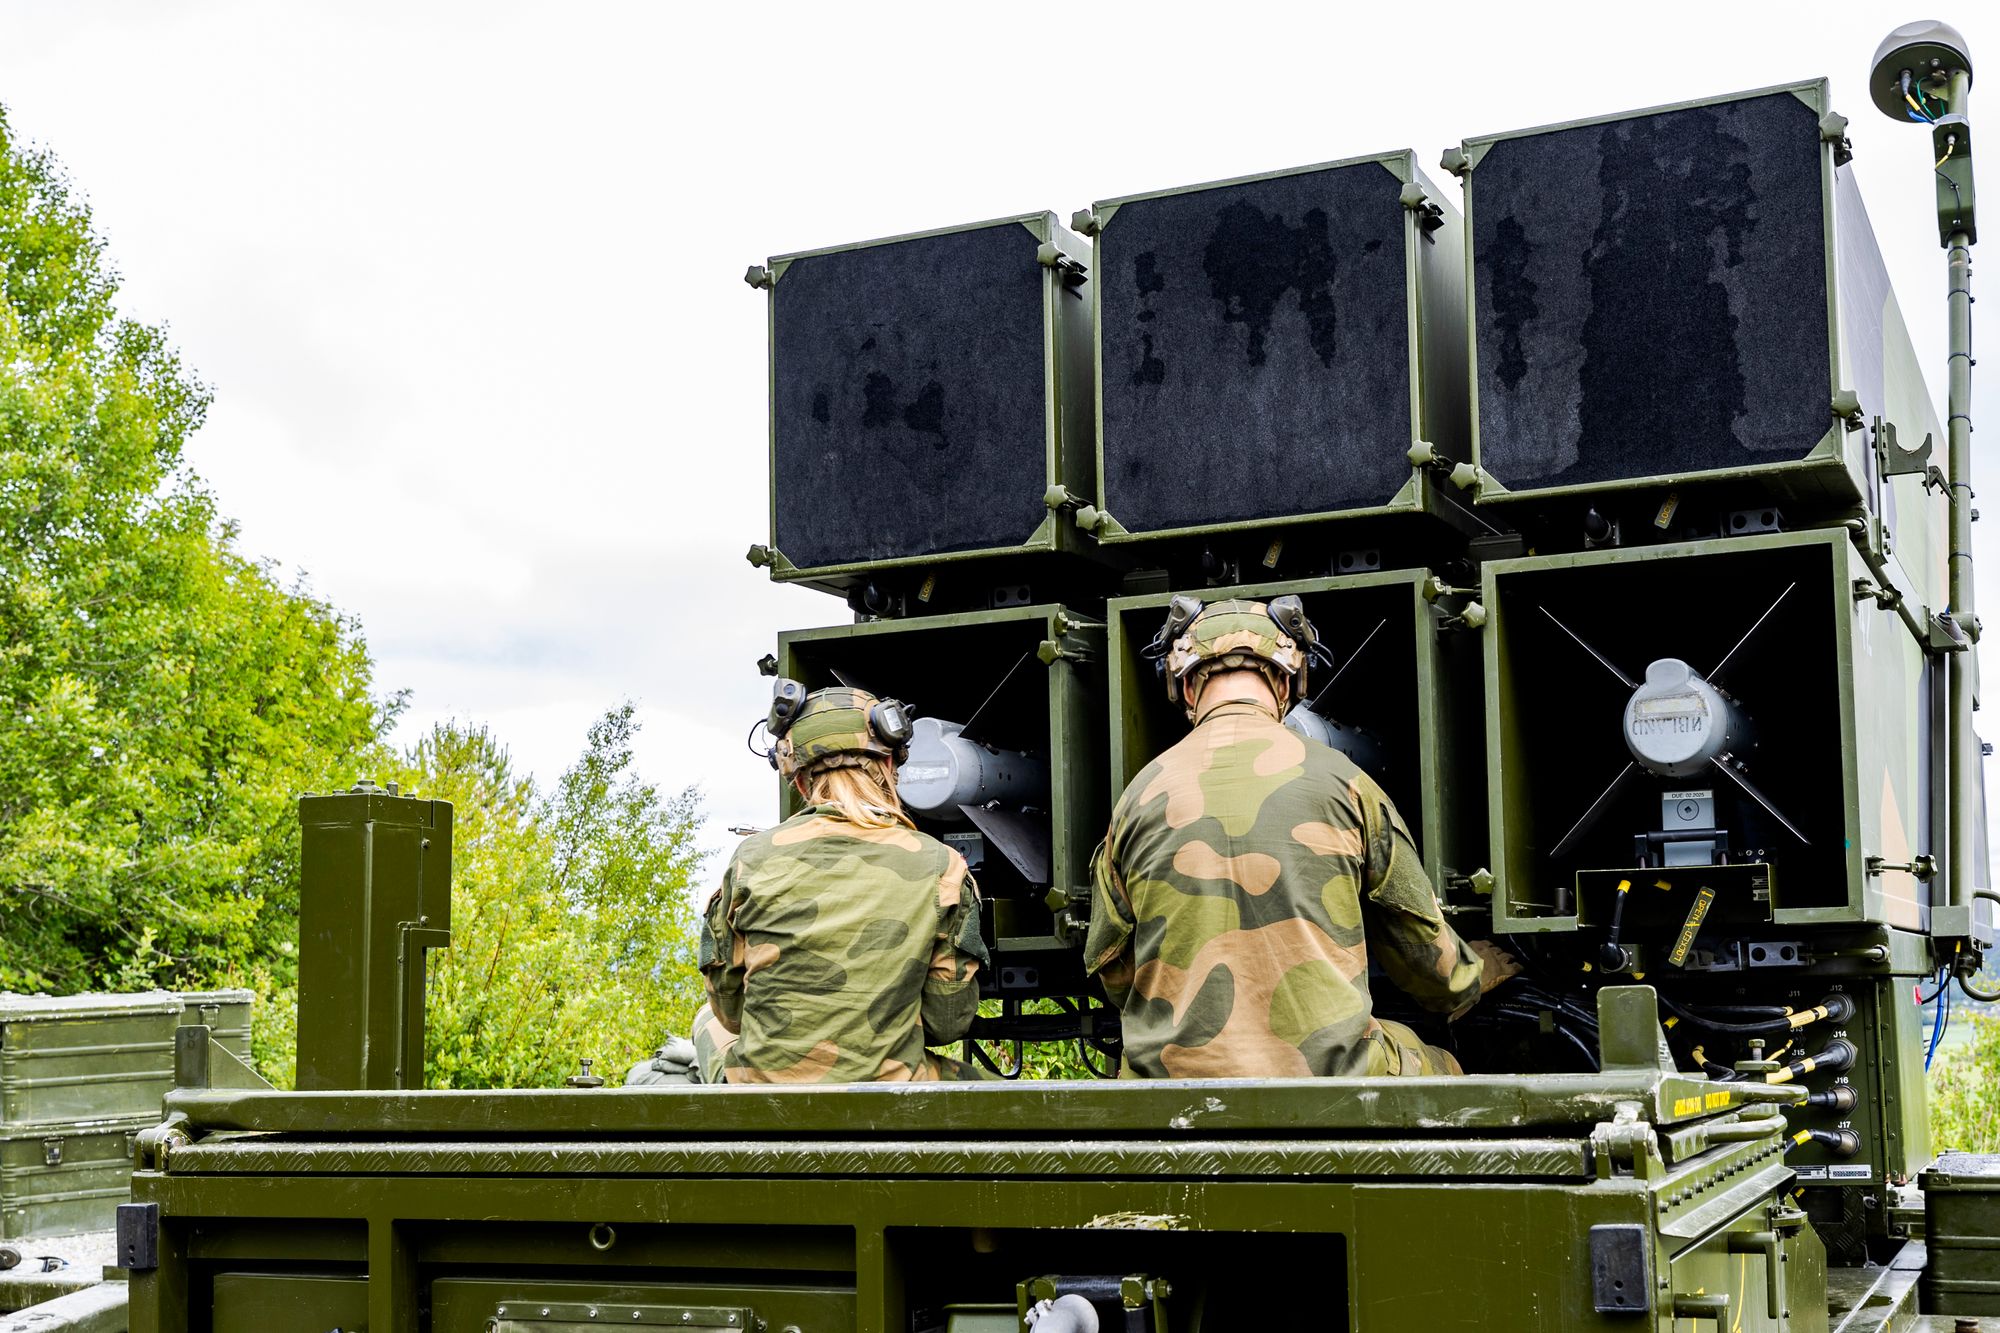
column 52, row 1151
column 579, row 1316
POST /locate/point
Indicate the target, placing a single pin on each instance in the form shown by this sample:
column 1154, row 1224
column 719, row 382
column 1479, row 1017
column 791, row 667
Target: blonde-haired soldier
column 844, row 942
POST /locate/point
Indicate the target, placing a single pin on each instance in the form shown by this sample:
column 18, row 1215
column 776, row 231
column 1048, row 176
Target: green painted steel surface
column 226, row 1013
column 1403, row 672
column 990, row 665
column 1434, row 287
column 1869, row 796
column 1066, row 454
column 375, row 894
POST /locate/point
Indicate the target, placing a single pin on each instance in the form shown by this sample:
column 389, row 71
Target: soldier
column 843, row 942
column 1248, row 871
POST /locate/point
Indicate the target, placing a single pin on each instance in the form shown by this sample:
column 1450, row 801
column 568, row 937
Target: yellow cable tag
column 1704, row 898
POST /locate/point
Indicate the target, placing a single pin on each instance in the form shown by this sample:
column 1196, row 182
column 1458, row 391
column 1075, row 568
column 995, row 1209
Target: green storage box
column 67, row 1059
column 79, row 1075
column 60, row 1180
column 227, row 1013
column 1962, row 1231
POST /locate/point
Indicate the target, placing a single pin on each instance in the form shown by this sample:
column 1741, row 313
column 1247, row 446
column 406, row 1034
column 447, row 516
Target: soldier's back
column 834, row 924
column 1243, row 852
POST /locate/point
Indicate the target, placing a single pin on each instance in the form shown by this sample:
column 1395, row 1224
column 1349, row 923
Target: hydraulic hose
column 1837, row 1007
column 1839, row 1142
column 1836, row 1058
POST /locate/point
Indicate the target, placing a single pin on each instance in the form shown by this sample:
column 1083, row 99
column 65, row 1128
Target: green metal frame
column 1878, row 667
column 1074, row 696
column 1834, row 472
column 1434, row 285
column 1448, row 821
column 829, row 1207
column 1065, row 361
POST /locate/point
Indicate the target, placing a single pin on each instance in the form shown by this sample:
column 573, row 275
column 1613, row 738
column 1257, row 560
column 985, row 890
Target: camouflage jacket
column 838, row 953
column 1246, row 874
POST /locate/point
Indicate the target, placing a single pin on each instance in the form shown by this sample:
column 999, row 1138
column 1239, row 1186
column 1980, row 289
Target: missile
column 946, row 771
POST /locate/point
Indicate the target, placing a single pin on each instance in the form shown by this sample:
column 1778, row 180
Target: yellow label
column 1713, row 1101
column 1667, row 508
column 1703, row 900
column 1271, row 554
column 929, row 587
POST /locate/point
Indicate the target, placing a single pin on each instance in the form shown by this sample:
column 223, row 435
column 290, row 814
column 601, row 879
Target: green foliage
column 162, row 699
column 1965, row 1090
column 1043, row 1059
column 572, row 928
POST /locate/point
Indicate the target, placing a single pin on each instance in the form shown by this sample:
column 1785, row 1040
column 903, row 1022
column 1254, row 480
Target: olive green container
column 1962, row 1231
column 79, row 1075
column 227, row 1014
column 59, row 1180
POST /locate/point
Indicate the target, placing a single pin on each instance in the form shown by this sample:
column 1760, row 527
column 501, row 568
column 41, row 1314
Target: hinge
column 1833, row 130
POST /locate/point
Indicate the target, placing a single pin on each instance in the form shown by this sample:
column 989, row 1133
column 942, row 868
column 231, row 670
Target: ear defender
column 788, row 697
column 889, row 719
column 1180, row 614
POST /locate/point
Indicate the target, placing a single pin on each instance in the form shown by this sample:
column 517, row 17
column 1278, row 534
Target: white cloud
column 467, row 276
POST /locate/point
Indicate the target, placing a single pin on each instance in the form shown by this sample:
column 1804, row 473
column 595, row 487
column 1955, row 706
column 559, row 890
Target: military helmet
column 1275, row 638
column 827, row 728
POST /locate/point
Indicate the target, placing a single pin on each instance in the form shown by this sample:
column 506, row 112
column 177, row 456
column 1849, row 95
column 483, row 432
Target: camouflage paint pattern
column 834, row 722
column 837, row 953
column 1246, row 873
column 1237, row 633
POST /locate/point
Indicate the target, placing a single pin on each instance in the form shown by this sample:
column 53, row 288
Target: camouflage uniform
column 839, row 952
column 1246, row 873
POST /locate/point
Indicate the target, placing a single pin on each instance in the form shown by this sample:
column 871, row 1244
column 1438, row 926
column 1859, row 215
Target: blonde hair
column 861, row 787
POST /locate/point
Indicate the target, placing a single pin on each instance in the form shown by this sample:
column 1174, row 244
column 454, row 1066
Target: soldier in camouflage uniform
column 1247, row 873
column 843, row 942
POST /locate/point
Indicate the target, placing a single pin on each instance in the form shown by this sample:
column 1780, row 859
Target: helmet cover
column 1233, row 635
column 835, row 727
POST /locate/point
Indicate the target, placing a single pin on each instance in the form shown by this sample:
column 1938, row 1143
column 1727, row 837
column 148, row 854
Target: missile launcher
column 1643, row 562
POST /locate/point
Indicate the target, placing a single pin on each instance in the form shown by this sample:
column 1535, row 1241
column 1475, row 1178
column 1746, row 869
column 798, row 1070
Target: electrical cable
column 1937, row 1024
column 1983, row 997
column 1083, row 1054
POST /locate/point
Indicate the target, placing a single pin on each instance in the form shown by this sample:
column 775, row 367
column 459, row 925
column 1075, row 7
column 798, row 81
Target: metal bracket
column 1621, row 1269
column 138, row 1233
column 1429, row 216
column 1071, row 271
column 1892, row 460
column 1923, row 867
column 1833, row 130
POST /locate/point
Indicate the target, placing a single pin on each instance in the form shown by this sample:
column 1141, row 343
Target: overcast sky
column 467, row 279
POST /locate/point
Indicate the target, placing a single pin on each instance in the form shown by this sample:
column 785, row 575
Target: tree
column 163, row 699
column 572, row 922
